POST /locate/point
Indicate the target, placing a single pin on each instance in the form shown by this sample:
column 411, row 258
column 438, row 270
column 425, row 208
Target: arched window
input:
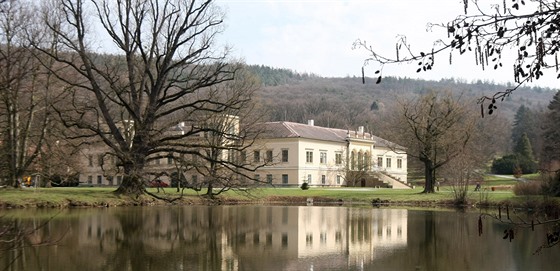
column 353, row 160
column 360, row 161
column 367, row 161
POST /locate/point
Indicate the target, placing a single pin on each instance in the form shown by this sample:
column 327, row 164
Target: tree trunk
column 429, row 173
column 132, row 182
column 209, row 192
column 131, row 185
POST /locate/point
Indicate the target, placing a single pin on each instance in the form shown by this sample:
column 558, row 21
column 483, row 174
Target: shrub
column 508, row 164
column 528, row 188
column 551, row 185
column 304, row 186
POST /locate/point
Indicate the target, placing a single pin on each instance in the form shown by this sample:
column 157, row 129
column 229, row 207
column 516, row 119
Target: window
column 308, row 178
column 100, row 160
column 338, row 158
column 269, row 156
column 323, row 157
column 269, row 178
column 284, row 240
column 353, row 161
column 157, row 161
column 90, row 179
column 360, row 161
column 309, row 156
column 256, row 238
column 338, row 177
column 194, row 178
column 170, row 159
column 388, row 162
column 309, row 239
column 119, row 180
column 380, row 161
column 399, row 163
column 284, row 178
column 110, row 180
column 323, row 179
column 90, row 160
column 285, row 155
column 243, row 156
column 231, row 155
column 257, row 177
column 367, row 161
column 99, row 179
column 256, row 156
column 268, row 240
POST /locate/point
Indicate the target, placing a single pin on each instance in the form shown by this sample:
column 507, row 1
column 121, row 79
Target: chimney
column 311, row 122
column 361, row 129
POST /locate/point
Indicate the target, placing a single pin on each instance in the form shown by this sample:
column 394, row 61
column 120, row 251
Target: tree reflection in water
column 274, row 238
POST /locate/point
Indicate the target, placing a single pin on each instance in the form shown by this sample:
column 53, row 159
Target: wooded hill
column 348, row 103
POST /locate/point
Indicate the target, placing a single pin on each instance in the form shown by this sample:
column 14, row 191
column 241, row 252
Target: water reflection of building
column 213, row 238
column 254, row 236
column 364, row 234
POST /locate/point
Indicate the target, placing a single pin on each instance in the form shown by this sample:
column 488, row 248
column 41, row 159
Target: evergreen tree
column 523, row 148
column 525, row 123
column 525, row 158
column 522, row 159
column 551, row 132
column 550, row 155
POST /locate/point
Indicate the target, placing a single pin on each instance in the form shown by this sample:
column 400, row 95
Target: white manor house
column 297, row 153
column 323, row 156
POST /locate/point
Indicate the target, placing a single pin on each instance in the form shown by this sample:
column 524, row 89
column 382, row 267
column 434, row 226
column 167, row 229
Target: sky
column 316, row 36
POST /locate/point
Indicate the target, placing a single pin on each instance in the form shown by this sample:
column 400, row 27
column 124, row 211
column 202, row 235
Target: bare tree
column 435, row 128
column 526, row 30
column 164, row 73
column 24, row 92
column 217, row 155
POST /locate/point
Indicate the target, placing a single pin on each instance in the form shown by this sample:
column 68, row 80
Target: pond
column 268, row 238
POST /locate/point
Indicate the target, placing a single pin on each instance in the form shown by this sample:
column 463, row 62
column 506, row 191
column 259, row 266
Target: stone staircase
column 391, row 181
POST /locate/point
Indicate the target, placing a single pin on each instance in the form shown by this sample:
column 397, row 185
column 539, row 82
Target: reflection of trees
column 12, row 241
column 252, row 238
column 448, row 240
column 21, row 239
column 166, row 239
column 130, row 247
column 430, row 242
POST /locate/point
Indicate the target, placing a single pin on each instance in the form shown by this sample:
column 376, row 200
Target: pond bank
column 105, row 197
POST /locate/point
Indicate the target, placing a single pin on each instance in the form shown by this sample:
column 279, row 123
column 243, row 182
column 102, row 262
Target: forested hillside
column 348, row 103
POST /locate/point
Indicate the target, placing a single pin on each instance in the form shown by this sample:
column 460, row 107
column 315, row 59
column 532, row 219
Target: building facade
column 292, row 154
column 298, row 153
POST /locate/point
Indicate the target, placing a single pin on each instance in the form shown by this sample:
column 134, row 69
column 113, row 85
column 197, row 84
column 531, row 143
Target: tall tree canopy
column 435, row 128
column 165, row 72
column 526, row 122
column 489, row 30
column 551, row 132
column 24, row 93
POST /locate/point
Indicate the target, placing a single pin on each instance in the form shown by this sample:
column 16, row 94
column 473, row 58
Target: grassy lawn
column 104, row 196
column 47, row 197
column 495, row 189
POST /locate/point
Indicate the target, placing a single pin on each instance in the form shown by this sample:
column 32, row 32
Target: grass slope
column 495, row 190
